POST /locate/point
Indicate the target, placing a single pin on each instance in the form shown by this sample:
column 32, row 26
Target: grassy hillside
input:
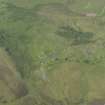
column 11, row 84
column 52, row 52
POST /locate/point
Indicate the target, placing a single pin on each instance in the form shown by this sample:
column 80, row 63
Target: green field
column 52, row 52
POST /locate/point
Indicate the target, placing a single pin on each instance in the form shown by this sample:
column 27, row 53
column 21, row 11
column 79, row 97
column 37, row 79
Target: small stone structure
column 89, row 14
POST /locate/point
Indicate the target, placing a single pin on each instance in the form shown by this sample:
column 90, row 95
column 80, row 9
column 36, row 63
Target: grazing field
column 52, row 52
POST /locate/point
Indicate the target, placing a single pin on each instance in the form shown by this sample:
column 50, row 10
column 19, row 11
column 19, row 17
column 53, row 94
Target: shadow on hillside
column 16, row 13
column 77, row 37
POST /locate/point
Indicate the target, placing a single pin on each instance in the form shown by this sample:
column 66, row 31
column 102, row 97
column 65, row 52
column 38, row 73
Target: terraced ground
column 52, row 52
